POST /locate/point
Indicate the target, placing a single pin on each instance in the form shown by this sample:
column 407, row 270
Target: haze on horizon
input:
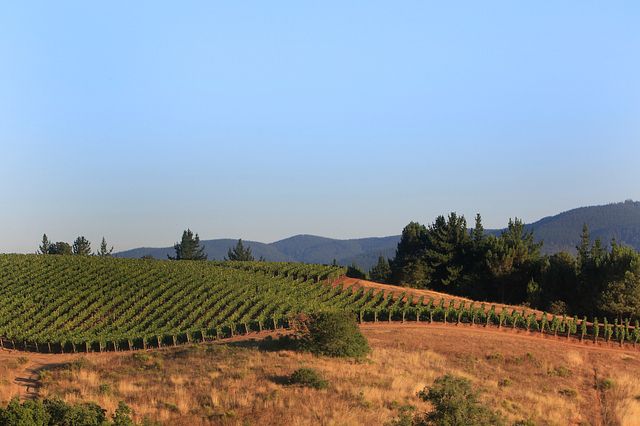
column 261, row 121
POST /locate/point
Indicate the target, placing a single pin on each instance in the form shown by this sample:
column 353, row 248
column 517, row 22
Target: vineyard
column 83, row 304
column 71, row 303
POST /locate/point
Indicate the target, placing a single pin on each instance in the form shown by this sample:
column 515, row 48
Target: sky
column 261, row 120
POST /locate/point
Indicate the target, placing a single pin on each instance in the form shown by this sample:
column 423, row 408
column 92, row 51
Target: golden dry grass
column 547, row 380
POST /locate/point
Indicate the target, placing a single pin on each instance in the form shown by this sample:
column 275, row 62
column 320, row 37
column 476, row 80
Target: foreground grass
column 242, row 383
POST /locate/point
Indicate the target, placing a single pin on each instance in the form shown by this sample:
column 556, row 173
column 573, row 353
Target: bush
column 308, row 377
column 58, row 412
column 455, row 403
column 333, row 334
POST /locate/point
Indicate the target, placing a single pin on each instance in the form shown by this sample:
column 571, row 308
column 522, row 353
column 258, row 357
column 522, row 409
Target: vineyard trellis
column 85, row 304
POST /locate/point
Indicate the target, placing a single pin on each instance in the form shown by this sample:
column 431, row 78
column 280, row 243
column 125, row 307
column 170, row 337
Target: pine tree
column 46, row 245
column 408, row 266
column 189, row 248
column 477, row 234
column 81, row 246
column 381, row 272
column 584, row 247
column 104, row 251
column 240, row 253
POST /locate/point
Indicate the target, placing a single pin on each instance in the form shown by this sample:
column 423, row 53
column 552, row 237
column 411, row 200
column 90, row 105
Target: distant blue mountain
column 560, row 232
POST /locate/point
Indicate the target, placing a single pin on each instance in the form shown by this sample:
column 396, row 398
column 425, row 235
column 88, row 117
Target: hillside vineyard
column 87, row 304
column 70, row 303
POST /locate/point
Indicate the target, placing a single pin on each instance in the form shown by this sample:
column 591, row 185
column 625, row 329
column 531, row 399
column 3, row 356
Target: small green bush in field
column 455, row 403
column 308, row 377
column 334, row 334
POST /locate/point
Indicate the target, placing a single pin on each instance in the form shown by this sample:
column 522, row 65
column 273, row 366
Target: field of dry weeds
column 546, row 380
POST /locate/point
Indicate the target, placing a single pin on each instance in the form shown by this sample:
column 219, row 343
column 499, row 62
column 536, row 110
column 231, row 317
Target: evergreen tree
column 104, row 250
column 240, row 253
column 447, row 245
column 513, row 258
column 45, row 247
column 60, row 248
column 81, row 246
column 189, row 248
column 584, row 248
column 381, row 272
column 354, row 271
column 477, row 234
column 408, row 266
column 621, row 297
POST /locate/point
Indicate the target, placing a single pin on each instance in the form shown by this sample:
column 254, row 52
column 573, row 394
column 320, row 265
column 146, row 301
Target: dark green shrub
column 308, row 377
column 58, row 412
column 122, row 416
column 455, row 403
column 334, row 334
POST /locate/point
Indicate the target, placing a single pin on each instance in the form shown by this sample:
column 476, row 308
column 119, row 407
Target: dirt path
column 25, row 367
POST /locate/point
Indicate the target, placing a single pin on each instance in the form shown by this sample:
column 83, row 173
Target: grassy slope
column 234, row 383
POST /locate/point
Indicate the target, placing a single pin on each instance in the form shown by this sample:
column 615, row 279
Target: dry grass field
column 523, row 376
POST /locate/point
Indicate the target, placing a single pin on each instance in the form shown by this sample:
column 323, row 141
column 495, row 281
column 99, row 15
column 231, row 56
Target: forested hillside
column 560, row 232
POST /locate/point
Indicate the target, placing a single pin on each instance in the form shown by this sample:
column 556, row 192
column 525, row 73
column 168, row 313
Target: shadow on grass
column 268, row 344
column 280, row 380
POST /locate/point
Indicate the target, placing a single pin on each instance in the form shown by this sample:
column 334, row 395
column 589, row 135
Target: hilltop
column 560, row 232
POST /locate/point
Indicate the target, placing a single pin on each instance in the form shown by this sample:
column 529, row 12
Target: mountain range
column 559, row 233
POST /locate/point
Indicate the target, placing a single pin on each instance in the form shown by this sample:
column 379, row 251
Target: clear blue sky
column 135, row 120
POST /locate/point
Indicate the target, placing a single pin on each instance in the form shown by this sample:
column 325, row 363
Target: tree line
column 80, row 247
column 509, row 268
column 188, row 248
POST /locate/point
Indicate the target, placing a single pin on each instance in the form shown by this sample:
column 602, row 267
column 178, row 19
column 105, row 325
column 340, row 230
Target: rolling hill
column 560, row 232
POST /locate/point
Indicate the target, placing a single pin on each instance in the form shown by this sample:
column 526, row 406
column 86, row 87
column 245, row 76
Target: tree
column 512, row 259
column 381, row 272
column 45, row 247
column 240, row 253
column 354, row 271
column 81, row 246
column 408, row 267
column 584, row 248
column 104, row 250
column 455, row 403
column 60, row 248
column 189, row 248
column 477, row 234
column 447, row 245
column 621, row 297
